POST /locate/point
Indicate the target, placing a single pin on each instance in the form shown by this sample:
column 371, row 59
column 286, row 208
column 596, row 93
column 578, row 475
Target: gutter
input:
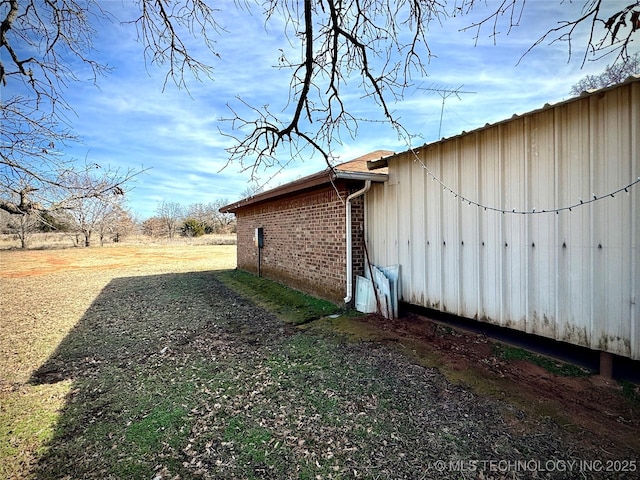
column 364, row 190
column 362, row 176
column 299, row 185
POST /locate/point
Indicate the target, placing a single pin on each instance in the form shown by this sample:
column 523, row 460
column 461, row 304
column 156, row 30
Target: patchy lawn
column 147, row 363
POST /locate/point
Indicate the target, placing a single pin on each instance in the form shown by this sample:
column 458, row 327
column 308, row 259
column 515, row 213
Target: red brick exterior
column 304, row 239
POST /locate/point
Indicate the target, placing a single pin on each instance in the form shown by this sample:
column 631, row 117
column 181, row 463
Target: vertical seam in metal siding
column 526, row 159
column 458, row 187
column 409, row 196
column 557, row 122
column 501, row 255
column 592, row 288
column 633, row 244
column 441, row 224
column 478, row 247
column 425, row 214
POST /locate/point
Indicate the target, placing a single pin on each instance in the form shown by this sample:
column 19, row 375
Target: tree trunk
column 24, row 231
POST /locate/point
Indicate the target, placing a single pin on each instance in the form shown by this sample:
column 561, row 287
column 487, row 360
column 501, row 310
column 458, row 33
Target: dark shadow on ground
column 122, row 327
column 176, row 376
column 132, row 359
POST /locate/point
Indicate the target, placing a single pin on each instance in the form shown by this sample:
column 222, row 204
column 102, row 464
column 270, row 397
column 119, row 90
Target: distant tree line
column 86, row 220
column 194, row 220
column 82, row 222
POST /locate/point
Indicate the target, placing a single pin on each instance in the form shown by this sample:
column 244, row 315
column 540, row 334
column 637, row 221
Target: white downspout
column 367, row 186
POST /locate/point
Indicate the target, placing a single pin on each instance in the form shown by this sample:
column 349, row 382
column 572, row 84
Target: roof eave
column 300, row 184
column 320, row 178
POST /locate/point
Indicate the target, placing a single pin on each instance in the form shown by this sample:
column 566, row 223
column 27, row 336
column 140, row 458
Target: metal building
column 532, row 223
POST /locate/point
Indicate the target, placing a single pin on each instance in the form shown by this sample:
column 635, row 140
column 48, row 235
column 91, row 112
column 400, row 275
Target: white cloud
column 134, row 119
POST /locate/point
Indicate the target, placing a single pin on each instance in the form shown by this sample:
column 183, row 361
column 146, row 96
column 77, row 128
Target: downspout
column 367, row 186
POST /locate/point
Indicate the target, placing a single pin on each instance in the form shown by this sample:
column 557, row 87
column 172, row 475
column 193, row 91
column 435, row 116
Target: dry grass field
column 64, row 240
column 43, row 296
column 162, row 362
column 57, row 286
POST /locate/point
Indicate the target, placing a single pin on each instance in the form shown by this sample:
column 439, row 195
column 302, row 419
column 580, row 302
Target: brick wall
column 304, row 240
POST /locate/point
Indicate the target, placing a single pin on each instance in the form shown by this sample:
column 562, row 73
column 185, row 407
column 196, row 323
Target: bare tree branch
column 611, row 26
column 612, row 74
column 348, row 52
column 43, row 43
column 162, row 27
column 363, row 42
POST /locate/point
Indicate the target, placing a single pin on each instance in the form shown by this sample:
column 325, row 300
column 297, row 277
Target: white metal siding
column 571, row 276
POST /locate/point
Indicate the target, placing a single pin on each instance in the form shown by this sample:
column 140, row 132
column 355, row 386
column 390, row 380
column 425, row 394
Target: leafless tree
column 612, row 74
column 117, row 224
column 23, row 226
column 209, row 215
column 26, row 225
column 378, row 45
column 40, row 46
column 252, row 189
column 381, row 45
column 612, row 27
column 223, row 221
column 170, row 213
column 153, row 227
column 200, row 212
column 89, row 211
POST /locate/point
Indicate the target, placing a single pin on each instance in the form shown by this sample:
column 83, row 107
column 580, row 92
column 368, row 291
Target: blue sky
column 128, row 121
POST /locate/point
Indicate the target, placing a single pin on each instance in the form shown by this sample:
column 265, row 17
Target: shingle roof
column 355, row 169
column 360, row 164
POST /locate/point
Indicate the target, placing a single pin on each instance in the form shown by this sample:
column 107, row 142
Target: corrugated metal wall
column 572, row 276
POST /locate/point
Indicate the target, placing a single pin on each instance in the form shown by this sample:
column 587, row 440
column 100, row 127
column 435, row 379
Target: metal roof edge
column 374, row 177
column 630, row 79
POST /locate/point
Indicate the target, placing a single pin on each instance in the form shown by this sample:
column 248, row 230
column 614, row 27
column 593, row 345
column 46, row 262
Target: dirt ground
column 147, row 259
column 594, row 416
column 591, row 405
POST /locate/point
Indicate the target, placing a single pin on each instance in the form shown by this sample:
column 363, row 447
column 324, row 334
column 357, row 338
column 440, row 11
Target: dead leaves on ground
column 177, row 377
